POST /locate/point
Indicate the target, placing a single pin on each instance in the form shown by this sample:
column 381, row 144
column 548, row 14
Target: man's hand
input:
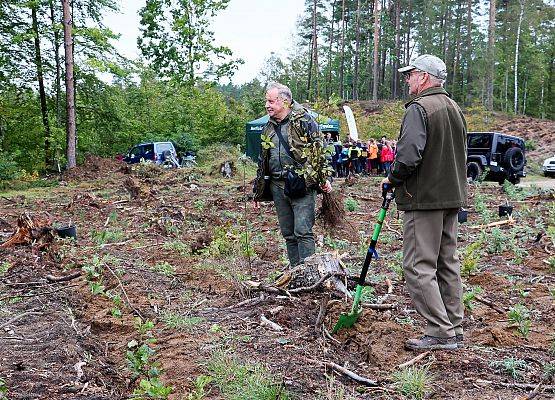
column 326, row 187
column 385, row 181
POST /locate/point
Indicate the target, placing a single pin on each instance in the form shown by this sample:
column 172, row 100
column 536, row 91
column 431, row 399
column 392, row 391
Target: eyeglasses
column 413, row 72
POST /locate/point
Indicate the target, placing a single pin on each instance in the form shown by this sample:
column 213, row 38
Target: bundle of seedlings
column 318, row 169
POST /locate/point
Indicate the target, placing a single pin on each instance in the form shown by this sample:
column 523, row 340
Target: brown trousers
column 432, row 269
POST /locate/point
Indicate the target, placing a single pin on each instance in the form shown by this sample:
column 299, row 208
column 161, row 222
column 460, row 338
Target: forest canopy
column 499, row 56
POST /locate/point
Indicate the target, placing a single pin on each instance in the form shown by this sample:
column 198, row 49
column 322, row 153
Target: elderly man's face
column 275, row 105
column 415, row 79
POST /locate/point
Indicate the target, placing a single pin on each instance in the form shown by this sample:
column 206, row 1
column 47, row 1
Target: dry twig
column 414, row 360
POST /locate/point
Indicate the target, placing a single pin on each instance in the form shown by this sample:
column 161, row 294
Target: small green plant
column 3, row 389
column 497, row 243
column 367, row 294
column 178, row 246
column 530, row 145
column 107, row 236
column 97, row 287
column 199, row 204
column 246, row 245
column 469, row 297
column 397, row 265
column 335, row 244
column 177, row 321
column 413, row 382
column 152, row 388
column 138, row 356
column 510, row 366
column 471, row 256
column 4, row 267
column 549, row 370
column 550, row 263
column 240, row 381
column 520, row 316
column 164, row 268
column 351, row 204
column 199, row 391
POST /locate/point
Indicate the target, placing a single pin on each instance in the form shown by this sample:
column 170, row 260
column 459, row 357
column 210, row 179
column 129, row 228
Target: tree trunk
column 357, row 49
column 315, row 50
column 407, row 47
column 490, row 70
column 376, row 60
column 342, row 66
column 309, row 78
column 58, row 78
column 521, row 2
column 329, row 90
column 467, row 92
column 42, row 93
column 70, row 93
column 395, row 74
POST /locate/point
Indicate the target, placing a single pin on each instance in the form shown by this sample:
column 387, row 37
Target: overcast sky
column 252, row 29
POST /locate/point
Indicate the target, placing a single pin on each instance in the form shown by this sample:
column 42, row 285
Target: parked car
column 162, row 153
column 501, row 155
column 548, row 167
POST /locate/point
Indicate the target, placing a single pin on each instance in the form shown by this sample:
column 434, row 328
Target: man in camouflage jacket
column 298, row 128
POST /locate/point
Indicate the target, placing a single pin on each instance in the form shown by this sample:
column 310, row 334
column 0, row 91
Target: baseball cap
column 427, row 63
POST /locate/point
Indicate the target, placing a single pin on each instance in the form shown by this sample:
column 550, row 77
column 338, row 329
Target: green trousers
column 432, row 269
column 296, row 219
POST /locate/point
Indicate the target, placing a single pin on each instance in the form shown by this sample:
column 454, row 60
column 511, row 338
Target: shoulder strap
column 286, row 147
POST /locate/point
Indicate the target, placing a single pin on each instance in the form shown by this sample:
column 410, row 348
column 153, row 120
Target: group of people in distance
column 373, row 157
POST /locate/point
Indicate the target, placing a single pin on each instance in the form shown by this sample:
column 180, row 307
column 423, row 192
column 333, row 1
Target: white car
column 548, row 167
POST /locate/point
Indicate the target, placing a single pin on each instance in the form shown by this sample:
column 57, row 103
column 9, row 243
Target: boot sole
column 433, row 347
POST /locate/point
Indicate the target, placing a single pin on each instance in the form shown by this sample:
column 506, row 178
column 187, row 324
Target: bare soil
column 68, row 344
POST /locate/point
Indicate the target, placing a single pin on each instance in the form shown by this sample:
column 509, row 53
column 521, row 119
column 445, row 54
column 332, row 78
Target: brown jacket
column 429, row 171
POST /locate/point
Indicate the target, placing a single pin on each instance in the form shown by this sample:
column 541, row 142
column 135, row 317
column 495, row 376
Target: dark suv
column 503, row 156
column 162, row 153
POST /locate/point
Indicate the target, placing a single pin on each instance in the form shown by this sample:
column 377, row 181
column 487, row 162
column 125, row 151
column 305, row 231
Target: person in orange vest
column 372, row 164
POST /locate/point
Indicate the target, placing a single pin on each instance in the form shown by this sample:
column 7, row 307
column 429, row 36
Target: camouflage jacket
column 300, row 129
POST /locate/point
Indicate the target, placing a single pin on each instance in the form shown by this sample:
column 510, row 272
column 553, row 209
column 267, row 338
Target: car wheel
column 514, row 159
column 473, row 171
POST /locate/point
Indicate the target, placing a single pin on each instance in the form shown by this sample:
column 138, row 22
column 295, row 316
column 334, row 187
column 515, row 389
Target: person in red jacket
column 386, row 156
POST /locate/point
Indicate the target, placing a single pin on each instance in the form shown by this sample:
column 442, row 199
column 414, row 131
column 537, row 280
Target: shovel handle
column 387, row 198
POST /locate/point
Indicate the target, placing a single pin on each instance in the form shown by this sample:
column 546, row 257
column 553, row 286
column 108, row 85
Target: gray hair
column 283, row 91
column 435, row 81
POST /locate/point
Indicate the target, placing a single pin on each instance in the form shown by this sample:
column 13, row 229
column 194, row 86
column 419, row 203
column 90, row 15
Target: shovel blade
column 346, row 320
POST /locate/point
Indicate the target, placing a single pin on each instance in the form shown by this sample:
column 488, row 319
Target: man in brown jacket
column 429, row 176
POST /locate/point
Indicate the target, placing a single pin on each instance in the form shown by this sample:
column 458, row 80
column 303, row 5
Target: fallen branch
column 124, row 292
column 509, row 221
column 489, row 304
column 414, row 360
column 312, row 287
column 379, row 306
column 12, row 320
column 64, row 278
column 321, row 312
column 534, row 392
column 351, row 374
column 266, row 322
column 327, row 334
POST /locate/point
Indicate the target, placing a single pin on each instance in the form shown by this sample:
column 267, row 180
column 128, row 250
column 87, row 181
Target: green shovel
column 348, row 320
